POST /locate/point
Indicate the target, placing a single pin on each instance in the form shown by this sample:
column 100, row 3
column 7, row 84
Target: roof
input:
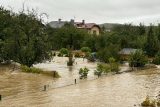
column 127, row 51
column 57, row 24
column 90, row 25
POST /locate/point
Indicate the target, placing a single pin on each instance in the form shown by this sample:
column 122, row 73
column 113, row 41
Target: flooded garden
column 20, row 89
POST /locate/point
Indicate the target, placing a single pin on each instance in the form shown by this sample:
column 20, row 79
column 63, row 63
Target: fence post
column 75, row 81
column 45, row 87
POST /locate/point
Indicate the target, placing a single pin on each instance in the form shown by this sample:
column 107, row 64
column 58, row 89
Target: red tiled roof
column 86, row 25
column 89, row 25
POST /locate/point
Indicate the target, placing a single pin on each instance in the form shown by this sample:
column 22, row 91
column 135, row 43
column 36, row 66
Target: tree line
column 25, row 39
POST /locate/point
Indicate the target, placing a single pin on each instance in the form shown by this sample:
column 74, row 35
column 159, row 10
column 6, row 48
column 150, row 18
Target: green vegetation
column 25, row 39
column 109, row 51
column 91, row 58
column 137, row 59
column 83, row 72
column 152, row 43
column 149, row 103
column 112, row 66
column 85, row 49
column 64, row 51
column 157, row 59
column 39, row 71
column 31, row 70
column 70, row 57
column 102, row 69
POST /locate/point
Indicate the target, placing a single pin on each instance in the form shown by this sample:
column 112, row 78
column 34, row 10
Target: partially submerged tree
column 83, row 72
column 137, row 59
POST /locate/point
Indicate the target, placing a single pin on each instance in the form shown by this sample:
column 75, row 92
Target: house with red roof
column 92, row 28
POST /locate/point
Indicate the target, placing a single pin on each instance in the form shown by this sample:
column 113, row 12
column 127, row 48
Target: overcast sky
column 98, row 11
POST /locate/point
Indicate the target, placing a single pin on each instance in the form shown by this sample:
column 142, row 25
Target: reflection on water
column 124, row 90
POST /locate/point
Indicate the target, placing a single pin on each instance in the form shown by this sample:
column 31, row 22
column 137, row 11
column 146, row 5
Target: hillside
column 109, row 26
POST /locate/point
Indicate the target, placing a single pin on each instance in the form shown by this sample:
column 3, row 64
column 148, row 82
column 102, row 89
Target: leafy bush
column 107, row 69
column 102, row 68
column 30, row 70
column 114, row 66
column 85, row 49
column 157, row 59
column 148, row 102
column 110, row 51
column 137, row 59
column 39, row 71
column 64, row 51
column 158, row 103
column 83, row 72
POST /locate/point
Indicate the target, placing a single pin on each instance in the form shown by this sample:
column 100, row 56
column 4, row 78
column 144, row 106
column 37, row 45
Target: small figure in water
column 75, row 81
column 45, row 88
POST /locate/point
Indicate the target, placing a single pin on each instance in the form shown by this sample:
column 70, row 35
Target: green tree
column 137, row 59
column 85, row 49
column 141, row 28
column 24, row 38
column 157, row 59
column 83, row 72
column 66, row 36
column 114, row 66
column 152, row 45
column 64, row 51
column 109, row 51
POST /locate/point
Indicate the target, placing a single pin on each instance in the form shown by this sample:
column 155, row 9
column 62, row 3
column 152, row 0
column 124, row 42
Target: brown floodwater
column 122, row 90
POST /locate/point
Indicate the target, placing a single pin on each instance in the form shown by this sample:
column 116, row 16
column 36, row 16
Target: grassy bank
column 39, row 71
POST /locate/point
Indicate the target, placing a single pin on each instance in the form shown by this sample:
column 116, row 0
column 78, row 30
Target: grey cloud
column 99, row 11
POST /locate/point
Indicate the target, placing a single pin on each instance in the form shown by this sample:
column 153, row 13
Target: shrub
column 110, row 51
column 102, row 68
column 148, row 102
column 31, row 70
column 107, row 69
column 158, row 103
column 91, row 59
column 137, row 59
column 157, row 59
column 39, row 71
column 85, row 49
column 114, row 66
column 83, row 72
column 64, row 51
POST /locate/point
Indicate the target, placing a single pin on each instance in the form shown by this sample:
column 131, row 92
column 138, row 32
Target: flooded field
column 122, row 90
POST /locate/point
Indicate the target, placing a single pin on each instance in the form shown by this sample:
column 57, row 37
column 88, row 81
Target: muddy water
column 124, row 90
